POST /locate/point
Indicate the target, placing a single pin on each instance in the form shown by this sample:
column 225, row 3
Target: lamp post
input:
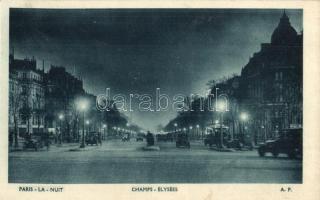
column 82, row 106
column 175, row 130
column 264, row 133
column 88, row 124
column 128, row 131
column 61, row 117
column 221, row 108
column 244, row 118
column 104, row 131
column 197, row 130
column 190, row 131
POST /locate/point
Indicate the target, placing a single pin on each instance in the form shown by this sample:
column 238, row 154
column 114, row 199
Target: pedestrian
column 150, row 139
column 46, row 140
column 99, row 138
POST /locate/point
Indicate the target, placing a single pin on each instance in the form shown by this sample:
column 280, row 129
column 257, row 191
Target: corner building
column 271, row 83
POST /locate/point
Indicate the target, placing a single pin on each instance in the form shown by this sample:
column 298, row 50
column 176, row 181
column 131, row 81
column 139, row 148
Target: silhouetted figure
column 46, row 140
column 150, row 139
column 99, row 138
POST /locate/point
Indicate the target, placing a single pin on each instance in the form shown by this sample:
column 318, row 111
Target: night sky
column 137, row 51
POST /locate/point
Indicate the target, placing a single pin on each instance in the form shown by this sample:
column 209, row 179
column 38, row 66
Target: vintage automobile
column 32, row 144
column 209, row 140
column 182, row 141
column 213, row 135
column 289, row 142
column 235, row 144
column 92, row 139
column 139, row 138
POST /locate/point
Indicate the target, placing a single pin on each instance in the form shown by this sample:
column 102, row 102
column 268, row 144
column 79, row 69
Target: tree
column 15, row 107
column 26, row 113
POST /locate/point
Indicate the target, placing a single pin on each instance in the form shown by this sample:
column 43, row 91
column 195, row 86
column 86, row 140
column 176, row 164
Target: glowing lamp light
column 244, row 116
column 61, row 116
column 82, row 105
column 221, row 106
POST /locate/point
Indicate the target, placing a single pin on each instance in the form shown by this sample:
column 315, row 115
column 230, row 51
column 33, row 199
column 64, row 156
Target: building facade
column 271, row 83
column 62, row 91
column 26, row 96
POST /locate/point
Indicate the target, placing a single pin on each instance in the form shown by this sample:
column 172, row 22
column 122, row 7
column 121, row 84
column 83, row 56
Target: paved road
column 126, row 162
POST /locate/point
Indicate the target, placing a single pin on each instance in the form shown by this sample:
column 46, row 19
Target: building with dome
column 271, row 83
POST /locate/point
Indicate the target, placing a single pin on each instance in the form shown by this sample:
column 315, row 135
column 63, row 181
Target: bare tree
column 15, row 108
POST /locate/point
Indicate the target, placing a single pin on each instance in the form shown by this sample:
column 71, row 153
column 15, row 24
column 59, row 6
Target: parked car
column 150, row 139
column 32, row 144
column 182, row 141
column 213, row 134
column 289, row 142
column 235, row 143
column 140, row 137
column 92, row 139
column 209, row 140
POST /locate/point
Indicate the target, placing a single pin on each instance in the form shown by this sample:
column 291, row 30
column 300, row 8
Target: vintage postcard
column 186, row 100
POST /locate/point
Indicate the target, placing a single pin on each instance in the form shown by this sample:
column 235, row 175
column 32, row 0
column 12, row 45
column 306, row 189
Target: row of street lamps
column 243, row 117
column 82, row 106
column 123, row 130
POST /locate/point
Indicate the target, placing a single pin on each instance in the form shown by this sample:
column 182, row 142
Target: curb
column 222, row 150
column 78, row 149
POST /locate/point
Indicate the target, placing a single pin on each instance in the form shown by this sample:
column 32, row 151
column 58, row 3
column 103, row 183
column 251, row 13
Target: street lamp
column 104, row 131
column 88, row 125
column 190, row 131
column 61, row 116
column 197, row 130
column 222, row 108
column 82, row 106
column 175, row 130
column 264, row 133
column 244, row 118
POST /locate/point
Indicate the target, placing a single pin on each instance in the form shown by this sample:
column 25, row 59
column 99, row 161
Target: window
column 280, row 76
column 24, row 89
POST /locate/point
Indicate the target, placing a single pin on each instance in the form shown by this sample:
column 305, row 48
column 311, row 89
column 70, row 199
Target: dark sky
column 136, row 51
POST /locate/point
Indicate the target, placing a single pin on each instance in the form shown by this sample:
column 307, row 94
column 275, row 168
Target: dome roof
column 284, row 34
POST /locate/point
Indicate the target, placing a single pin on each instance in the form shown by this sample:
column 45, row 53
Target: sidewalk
column 52, row 147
